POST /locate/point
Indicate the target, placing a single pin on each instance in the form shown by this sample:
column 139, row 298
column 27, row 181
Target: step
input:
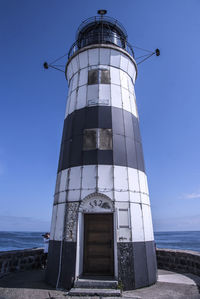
column 95, row 284
column 94, row 292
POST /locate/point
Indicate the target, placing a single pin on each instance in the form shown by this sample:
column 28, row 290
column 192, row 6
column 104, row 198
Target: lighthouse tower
column 101, row 223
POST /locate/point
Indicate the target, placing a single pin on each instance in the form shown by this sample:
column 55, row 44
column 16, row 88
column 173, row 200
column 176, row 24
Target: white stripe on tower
column 120, row 93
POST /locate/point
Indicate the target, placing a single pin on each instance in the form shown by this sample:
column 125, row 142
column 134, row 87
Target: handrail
column 100, row 39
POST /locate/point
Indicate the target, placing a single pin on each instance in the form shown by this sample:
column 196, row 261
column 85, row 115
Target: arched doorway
column 96, row 240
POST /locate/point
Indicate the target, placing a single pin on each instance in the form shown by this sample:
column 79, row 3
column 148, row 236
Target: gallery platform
column 31, row 285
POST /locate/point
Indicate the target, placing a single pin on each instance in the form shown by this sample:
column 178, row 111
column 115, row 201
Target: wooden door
column 98, row 245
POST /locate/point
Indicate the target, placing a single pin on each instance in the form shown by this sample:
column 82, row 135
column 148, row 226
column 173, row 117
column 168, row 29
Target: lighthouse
column 101, row 222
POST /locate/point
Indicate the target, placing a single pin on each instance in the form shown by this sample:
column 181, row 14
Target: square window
column 98, row 76
column 93, row 77
column 89, row 139
column 105, row 139
column 105, row 76
column 97, row 139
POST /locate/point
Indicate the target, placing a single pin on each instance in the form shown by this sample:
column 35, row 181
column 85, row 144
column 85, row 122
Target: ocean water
column 175, row 240
column 189, row 240
column 20, row 240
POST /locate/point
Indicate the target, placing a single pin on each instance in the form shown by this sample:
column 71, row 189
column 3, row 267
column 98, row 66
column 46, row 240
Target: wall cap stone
column 197, row 253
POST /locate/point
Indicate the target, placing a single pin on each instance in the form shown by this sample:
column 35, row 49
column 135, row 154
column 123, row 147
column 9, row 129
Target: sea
column 189, row 240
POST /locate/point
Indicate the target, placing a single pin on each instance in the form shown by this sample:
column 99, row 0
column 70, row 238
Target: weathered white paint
column 124, row 182
column 133, row 104
column 59, row 223
column 142, row 182
column 148, row 228
column 73, row 195
column 93, row 56
column 75, row 82
column 145, row 199
column 75, row 64
column 121, row 195
column 121, row 68
column 104, row 56
column 83, row 59
column 120, row 177
column 92, row 92
column 89, row 176
column 104, row 92
column 83, row 77
column 115, row 58
column 53, row 222
column 126, row 100
column 63, row 180
column 123, row 79
column 115, row 76
column 62, row 197
column 137, row 222
column 105, row 177
column 124, row 62
column 116, row 98
column 75, row 178
column 81, row 97
column 133, row 179
column 72, row 103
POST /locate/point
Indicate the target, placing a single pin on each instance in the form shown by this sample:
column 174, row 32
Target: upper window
column 97, row 139
column 98, row 76
column 89, row 139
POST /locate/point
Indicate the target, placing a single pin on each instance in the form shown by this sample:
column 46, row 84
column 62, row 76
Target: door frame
column 80, row 231
column 84, row 245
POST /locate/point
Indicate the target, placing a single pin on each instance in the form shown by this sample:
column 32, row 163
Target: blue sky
column 32, row 104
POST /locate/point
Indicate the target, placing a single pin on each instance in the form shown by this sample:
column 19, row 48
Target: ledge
column 183, row 261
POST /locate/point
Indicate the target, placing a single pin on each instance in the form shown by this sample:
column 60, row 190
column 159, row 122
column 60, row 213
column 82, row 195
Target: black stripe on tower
column 127, row 146
column 137, row 265
column 67, row 268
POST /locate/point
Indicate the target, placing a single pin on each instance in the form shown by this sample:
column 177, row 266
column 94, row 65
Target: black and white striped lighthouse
column 101, row 223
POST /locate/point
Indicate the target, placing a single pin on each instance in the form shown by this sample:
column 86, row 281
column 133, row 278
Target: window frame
column 98, row 135
column 99, row 77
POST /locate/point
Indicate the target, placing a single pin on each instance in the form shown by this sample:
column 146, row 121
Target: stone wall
column 168, row 259
column 179, row 260
column 16, row 260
